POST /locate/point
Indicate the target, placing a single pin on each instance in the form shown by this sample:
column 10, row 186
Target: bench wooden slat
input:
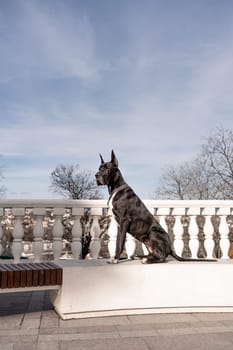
column 3, row 276
column 13, row 276
column 30, row 274
column 48, row 273
column 25, row 275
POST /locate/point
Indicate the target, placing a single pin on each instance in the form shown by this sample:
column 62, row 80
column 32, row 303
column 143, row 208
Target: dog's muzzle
column 99, row 179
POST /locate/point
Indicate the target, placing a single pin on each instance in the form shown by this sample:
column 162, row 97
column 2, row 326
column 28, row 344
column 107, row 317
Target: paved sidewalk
column 28, row 321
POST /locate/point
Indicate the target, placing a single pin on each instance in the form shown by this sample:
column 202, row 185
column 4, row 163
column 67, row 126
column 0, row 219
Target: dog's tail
column 179, row 258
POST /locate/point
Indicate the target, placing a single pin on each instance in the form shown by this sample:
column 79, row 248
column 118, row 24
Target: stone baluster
column 130, row 246
column 162, row 214
column 38, row 234
column 208, row 231
column 95, row 233
column 193, row 231
column 18, row 233
column 224, row 231
column 58, row 230
column 178, row 230
column 76, row 245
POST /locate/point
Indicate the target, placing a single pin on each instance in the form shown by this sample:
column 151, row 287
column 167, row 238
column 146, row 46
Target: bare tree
column 71, row 182
column 219, row 152
column 208, row 176
column 186, row 181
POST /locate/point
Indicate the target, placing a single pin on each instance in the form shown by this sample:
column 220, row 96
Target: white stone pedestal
column 94, row 288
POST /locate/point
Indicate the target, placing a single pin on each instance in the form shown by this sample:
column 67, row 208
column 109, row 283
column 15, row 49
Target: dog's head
column 108, row 171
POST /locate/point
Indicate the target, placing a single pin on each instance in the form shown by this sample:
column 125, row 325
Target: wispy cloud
column 148, row 80
column 48, row 44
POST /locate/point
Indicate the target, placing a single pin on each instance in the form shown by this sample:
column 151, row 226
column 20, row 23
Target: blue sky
column 149, row 79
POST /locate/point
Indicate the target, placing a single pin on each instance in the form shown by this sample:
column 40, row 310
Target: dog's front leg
column 120, row 241
column 121, row 236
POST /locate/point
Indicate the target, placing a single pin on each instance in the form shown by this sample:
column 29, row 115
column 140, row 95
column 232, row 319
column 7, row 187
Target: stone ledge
column 94, row 288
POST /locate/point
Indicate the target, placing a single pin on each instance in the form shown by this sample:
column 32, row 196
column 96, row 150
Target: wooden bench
column 29, row 276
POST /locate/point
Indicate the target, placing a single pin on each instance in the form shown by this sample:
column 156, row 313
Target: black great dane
column 133, row 217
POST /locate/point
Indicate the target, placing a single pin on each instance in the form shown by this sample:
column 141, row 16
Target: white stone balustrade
column 163, row 209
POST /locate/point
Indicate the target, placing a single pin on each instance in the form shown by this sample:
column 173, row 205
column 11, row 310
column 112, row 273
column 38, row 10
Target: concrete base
column 94, row 288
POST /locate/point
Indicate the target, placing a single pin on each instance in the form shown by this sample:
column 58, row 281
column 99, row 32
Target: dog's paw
column 144, row 261
column 112, row 261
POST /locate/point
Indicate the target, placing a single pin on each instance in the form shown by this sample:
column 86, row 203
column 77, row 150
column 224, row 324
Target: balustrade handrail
column 209, row 238
column 98, row 203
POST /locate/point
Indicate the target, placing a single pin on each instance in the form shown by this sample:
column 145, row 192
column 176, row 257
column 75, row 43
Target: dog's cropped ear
column 114, row 159
column 101, row 158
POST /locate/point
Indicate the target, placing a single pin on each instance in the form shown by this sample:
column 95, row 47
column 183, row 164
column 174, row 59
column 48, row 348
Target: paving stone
column 8, row 346
column 176, row 331
column 18, row 339
column 136, row 326
column 25, row 346
column 46, row 331
column 162, row 318
column 194, row 342
column 99, row 321
column 95, row 329
column 11, row 322
column 49, row 314
column 43, row 329
column 16, row 332
column 49, row 322
column 77, row 336
column 50, row 345
column 177, row 325
column 32, row 315
column 218, row 316
column 29, row 323
column 206, row 330
column 138, row 333
column 113, row 344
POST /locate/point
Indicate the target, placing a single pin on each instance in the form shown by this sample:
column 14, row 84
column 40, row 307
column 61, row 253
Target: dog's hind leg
column 151, row 259
column 157, row 249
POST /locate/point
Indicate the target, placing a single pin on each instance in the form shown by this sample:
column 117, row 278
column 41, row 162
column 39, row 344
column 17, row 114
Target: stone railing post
column 208, row 231
column 193, row 231
column 95, row 233
column 76, row 244
column 18, row 233
column 58, row 230
column 38, row 234
column 178, row 230
column 162, row 214
column 224, row 231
